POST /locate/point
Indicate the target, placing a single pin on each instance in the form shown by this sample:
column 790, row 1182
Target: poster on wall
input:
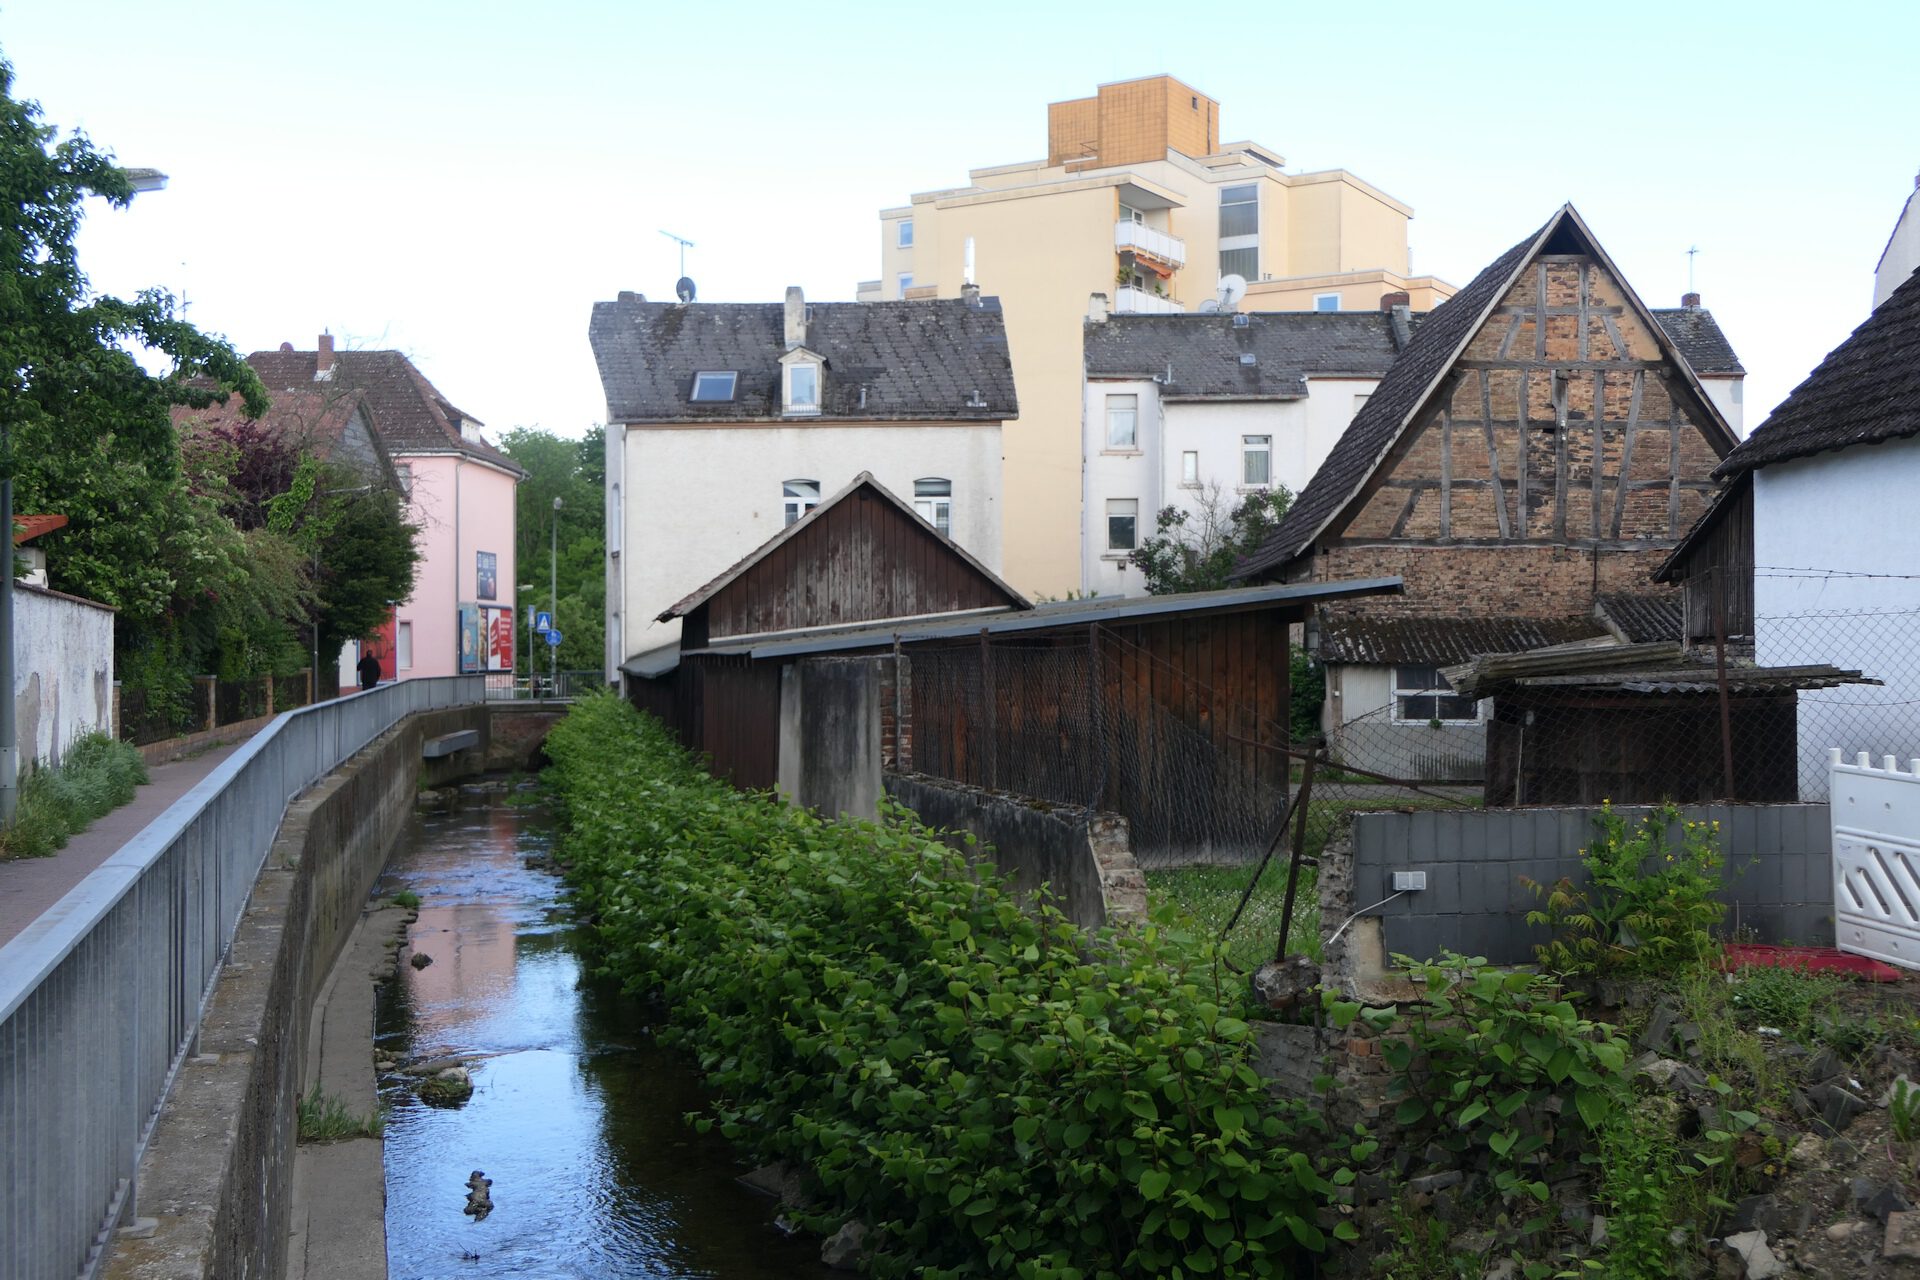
column 499, row 651
column 486, row 575
column 472, row 639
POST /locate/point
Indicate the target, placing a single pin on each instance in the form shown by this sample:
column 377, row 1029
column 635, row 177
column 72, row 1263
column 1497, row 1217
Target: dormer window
column 800, row 380
column 714, row 386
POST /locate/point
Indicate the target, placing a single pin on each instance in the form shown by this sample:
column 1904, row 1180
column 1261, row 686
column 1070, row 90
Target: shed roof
column 1055, row 615
column 1364, row 640
column 32, row 527
column 1655, row 668
column 1640, row 619
column 936, row 360
column 1867, row 391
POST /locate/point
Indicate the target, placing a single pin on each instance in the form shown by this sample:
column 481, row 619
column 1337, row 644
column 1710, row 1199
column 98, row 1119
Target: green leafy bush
column 1650, row 909
column 991, row 1089
column 96, row 776
column 1786, row 999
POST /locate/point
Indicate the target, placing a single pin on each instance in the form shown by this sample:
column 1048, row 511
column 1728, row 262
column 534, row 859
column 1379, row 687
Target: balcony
column 1143, row 241
column 1128, row 300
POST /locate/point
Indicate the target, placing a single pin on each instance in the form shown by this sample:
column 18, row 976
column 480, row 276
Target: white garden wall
column 62, row 671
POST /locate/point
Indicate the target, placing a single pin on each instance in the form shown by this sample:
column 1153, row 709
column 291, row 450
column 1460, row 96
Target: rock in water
column 420, row 960
column 479, row 1196
column 843, row 1248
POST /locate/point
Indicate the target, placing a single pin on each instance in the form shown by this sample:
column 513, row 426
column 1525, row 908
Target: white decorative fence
column 1876, row 857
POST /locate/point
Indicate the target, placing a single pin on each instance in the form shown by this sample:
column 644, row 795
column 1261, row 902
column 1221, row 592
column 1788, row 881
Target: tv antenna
column 1692, row 253
column 685, row 244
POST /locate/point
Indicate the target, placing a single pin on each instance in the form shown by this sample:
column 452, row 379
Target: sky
column 461, row 181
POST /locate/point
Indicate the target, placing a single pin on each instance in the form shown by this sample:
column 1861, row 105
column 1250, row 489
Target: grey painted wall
column 830, row 735
column 63, row 671
column 1778, row 876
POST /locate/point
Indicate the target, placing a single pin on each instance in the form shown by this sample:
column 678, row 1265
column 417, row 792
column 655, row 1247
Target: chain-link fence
column 1228, row 798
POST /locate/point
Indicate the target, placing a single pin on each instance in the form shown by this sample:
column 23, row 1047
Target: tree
column 84, row 427
column 573, row 471
column 360, row 547
column 1196, row 550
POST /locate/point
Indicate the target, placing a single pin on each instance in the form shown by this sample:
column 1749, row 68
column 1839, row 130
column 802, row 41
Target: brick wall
column 1518, row 580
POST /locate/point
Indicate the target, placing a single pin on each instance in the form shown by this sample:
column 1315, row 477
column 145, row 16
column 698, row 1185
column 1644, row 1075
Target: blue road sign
column 553, row 637
column 543, row 621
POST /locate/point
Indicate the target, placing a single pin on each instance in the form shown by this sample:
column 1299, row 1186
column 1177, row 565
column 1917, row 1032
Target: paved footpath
column 28, row 886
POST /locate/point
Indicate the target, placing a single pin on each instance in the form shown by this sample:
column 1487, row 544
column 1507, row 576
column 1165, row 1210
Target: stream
column 576, row 1114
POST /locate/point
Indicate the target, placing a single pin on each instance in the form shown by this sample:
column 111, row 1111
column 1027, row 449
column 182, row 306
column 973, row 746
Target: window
column 1130, row 214
column 1240, row 231
column 713, row 385
column 803, row 387
column 403, row 646
column 1240, row 210
column 403, row 476
column 800, row 496
column 1359, row 403
column 906, row 233
column 1256, row 461
column 1326, row 302
column 906, row 282
column 1422, row 695
column 1123, row 524
column 1123, row 415
column 1190, row 468
column 933, row 499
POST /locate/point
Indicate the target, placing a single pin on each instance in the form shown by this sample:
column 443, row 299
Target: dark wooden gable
column 1565, row 422
column 861, row 559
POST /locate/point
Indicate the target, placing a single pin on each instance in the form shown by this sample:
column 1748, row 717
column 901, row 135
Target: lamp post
column 553, row 603
column 526, row 594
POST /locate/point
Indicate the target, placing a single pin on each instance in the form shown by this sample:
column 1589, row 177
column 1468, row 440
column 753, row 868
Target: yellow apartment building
column 1138, row 199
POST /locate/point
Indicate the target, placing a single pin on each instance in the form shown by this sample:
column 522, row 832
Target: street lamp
column 553, row 603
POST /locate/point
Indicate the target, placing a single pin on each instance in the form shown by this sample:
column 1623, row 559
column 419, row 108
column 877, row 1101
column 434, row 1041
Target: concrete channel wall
column 216, row 1177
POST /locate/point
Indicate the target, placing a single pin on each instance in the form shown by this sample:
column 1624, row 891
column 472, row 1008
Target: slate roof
column 409, row 414
column 1203, row 352
column 1867, row 391
column 1399, row 395
column 1700, row 339
column 915, row 361
column 1438, row 642
column 1641, row 619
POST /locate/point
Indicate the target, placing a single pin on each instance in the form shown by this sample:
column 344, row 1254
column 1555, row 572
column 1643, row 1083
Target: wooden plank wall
column 728, row 709
column 1724, row 555
column 860, row 560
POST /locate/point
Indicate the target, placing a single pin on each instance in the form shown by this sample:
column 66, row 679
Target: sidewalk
column 28, row 886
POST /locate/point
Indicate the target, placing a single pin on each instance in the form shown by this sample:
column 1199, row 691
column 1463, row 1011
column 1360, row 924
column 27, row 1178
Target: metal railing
column 1136, row 237
column 563, row 686
column 1128, row 300
column 102, row 997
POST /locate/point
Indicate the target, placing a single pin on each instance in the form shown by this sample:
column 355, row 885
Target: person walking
column 369, row 670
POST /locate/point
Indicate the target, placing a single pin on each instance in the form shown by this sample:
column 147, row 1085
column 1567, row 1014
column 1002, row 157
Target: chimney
column 796, row 317
column 970, row 293
column 1690, row 300
column 323, row 360
column 628, row 295
column 1097, row 308
column 1388, row 301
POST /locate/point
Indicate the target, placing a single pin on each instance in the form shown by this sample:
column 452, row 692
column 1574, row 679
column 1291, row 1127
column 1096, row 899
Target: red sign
column 499, row 627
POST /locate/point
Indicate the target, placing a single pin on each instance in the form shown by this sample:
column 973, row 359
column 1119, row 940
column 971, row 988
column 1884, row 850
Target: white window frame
column 403, row 477
column 906, row 282
column 730, row 377
column 794, row 502
column 1119, row 410
column 1320, row 298
column 1241, row 240
column 794, row 406
column 1122, row 509
column 1438, row 689
column 933, row 499
column 903, row 237
column 403, row 645
column 1190, row 469
column 1251, row 447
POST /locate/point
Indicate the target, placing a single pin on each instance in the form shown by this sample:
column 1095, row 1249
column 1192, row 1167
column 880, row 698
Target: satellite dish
column 683, row 288
column 1210, row 306
column 1232, row 289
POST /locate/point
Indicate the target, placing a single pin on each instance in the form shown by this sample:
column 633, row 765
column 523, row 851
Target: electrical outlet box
column 1408, row 881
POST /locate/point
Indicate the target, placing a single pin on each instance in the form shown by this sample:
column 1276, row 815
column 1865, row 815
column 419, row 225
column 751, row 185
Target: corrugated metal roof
column 1640, row 619
column 1372, row 641
column 1067, row 613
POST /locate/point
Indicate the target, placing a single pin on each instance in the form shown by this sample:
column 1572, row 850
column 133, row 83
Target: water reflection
column 576, row 1113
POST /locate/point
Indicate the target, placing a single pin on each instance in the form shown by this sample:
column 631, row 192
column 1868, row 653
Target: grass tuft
column 325, row 1118
column 96, row 776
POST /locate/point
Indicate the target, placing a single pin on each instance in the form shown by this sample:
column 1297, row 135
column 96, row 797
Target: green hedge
column 96, row 776
column 994, row 1091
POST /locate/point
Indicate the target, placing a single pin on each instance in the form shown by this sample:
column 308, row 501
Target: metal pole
column 553, row 602
column 9, row 750
column 1720, row 676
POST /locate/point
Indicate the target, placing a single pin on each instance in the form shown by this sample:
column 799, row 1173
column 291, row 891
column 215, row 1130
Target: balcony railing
column 1138, row 238
column 1139, row 302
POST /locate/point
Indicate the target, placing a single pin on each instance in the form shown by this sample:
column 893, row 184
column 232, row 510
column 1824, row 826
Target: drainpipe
column 9, row 749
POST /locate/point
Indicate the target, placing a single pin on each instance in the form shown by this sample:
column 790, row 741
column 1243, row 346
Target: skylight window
column 714, row 386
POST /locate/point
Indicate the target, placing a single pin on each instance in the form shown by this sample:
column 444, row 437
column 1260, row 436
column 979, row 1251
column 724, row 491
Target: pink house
column 460, row 492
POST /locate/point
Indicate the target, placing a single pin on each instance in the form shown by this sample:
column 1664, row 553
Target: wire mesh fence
column 1212, row 772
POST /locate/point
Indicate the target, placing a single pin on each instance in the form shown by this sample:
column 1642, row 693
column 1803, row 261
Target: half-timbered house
column 1543, row 442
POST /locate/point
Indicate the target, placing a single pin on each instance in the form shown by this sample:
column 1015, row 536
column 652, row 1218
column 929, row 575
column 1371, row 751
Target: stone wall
column 1083, row 857
column 62, row 672
column 216, row 1178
